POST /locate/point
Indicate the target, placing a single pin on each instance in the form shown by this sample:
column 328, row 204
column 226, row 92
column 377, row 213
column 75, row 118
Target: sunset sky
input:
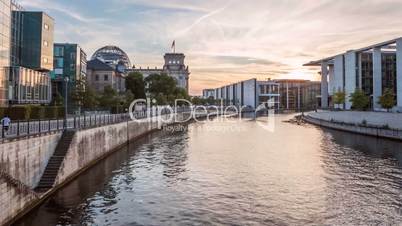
column 226, row 41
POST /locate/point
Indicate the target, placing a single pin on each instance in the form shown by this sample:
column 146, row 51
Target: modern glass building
column 298, row 94
column 373, row 69
column 29, row 86
column 388, row 68
column 70, row 61
column 28, row 47
column 16, row 33
column 5, row 35
column 37, row 41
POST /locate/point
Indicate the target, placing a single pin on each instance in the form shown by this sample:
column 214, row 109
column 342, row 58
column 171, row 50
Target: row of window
column 174, row 62
column 105, row 78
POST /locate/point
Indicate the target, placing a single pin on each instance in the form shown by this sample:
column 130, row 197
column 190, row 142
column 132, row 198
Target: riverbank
column 378, row 124
column 24, row 161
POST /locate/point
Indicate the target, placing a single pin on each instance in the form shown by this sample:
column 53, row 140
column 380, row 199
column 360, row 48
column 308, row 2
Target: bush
column 27, row 112
column 37, row 112
column 19, row 112
column 52, row 112
column 360, row 101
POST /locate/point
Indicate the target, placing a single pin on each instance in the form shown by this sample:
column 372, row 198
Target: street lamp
column 66, row 80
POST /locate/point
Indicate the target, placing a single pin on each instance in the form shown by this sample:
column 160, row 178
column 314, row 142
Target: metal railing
column 19, row 129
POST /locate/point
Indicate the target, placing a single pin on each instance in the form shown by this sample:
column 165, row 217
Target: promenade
column 376, row 119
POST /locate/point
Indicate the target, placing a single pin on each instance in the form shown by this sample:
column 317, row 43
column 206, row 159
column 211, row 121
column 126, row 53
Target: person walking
column 5, row 122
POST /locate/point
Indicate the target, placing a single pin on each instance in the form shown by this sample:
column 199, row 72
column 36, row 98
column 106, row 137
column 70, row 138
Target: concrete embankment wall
column 370, row 131
column 23, row 161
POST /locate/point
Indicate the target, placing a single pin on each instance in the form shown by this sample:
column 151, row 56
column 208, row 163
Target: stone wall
column 92, row 144
column 23, row 161
column 370, row 131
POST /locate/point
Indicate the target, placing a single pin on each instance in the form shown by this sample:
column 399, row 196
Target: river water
column 237, row 173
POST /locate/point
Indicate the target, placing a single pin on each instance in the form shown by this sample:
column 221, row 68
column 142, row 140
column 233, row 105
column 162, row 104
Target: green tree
column 58, row 100
column 90, row 99
column 109, row 98
column 198, row 101
column 339, row 97
column 359, row 100
column 160, row 84
column 128, row 98
column 211, row 101
column 82, row 95
column 135, row 83
column 163, row 88
column 387, row 100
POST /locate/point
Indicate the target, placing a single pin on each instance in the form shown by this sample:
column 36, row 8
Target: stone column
column 377, row 77
column 324, row 84
column 350, row 77
column 399, row 73
column 331, row 80
column 287, row 95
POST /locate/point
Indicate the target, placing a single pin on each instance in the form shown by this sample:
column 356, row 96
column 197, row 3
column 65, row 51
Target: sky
column 226, row 41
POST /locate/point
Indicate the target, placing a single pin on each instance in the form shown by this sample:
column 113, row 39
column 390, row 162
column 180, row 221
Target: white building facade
column 250, row 93
column 372, row 69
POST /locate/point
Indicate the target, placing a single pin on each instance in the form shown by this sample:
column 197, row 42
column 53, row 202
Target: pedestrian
column 5, row 122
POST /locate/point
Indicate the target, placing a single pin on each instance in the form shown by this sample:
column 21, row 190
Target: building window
column 106, row 77
column 45, row 43
column 72, row 67
column 262, row 90
column 59, row 62
column 58, row 51
column 96, row 77
column 46, row 26
column 45, row 60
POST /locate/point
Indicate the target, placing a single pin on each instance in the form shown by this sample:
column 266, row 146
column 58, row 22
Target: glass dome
column 112, row 55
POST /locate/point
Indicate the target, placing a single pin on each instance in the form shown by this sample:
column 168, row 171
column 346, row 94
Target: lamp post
column 66, row 80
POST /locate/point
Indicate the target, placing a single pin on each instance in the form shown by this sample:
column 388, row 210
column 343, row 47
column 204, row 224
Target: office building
column 101, row 74
column 70, row 64
column 37, row 41
column 5, row 41
column 26, row 55
column 249, row 93
column 372, row 69
column 298, row 95
column 208, row 93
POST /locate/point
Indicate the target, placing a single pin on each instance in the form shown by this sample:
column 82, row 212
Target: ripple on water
column 298, row 175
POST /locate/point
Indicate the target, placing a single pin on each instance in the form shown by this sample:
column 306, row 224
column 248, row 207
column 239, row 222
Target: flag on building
column 174, row 46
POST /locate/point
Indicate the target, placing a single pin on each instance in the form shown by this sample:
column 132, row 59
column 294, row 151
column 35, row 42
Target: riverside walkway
column 376, row 119
column 20, row 129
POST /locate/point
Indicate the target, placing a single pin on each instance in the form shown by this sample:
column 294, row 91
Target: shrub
column 360, row 101
column 387, row 100
column 19, row 112
column 37, row 112
column 51, row 112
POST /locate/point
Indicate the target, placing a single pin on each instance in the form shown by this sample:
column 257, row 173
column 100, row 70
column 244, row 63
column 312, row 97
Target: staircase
column 53, row 166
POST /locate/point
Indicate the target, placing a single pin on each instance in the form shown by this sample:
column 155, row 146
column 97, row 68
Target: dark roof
column 99, row 65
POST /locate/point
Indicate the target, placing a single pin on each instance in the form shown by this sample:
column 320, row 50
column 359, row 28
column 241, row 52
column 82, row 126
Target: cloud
column 54, row 6
column 227, row 41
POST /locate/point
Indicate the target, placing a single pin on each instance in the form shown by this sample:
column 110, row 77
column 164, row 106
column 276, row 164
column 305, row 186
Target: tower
column 175, row 67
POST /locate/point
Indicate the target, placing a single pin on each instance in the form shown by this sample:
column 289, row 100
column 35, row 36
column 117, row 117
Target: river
column 236, row 173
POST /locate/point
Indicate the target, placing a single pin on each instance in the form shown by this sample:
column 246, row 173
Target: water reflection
column 298, row 175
